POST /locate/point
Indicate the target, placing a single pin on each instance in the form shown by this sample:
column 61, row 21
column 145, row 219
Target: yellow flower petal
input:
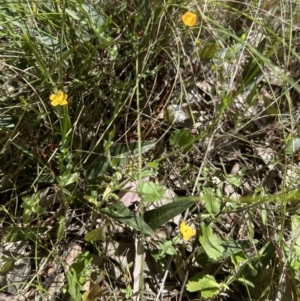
column 189, row 18
column 59, row 99
column 186, row 231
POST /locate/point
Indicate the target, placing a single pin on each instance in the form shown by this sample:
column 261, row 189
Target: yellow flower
column 186, row 231
column 59, row 99
column 189, row 18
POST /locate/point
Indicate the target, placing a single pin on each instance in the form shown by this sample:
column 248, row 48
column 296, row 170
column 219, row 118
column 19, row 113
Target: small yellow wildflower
column 189, row 18
column 59, row 99
column 186, row 231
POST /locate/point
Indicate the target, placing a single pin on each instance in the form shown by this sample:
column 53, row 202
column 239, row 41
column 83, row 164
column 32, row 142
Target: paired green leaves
column 120, row 212
column 158, row 216
column 152, row 219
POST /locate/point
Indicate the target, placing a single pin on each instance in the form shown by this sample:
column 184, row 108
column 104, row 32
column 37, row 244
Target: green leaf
column 61, row 223
column 96, row 19
column 72, row 14
column 246, row 282
column 181, row 138
column 91, row 199
column 120, row 212
column 159, row 216
column 236, row 181
column 211, row 203
column 150, row 191
column 67, row 179
column 204, row 283
column 95, row 234
column 292, row 146
column 211, row 243
column 231, row 248
column 167, row 247
column 208, row 51
column 77, row 274
column 153, row 165
column 5, row 264
column 238, row 259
